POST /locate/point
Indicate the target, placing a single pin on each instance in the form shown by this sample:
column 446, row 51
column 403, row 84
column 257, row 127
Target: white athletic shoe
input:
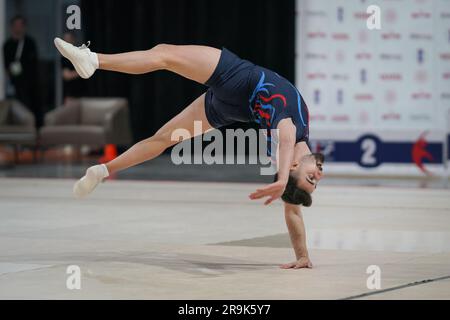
column 84, row 61
column 87, row 184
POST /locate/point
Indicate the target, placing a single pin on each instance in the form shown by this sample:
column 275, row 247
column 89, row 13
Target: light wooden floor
column 185, row 240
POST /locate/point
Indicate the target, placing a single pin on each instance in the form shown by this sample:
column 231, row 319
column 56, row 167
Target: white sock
column 105, row 172
column 94, row 59
column 87, row 184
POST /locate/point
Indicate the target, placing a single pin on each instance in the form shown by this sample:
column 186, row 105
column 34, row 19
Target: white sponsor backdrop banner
column 392, row 83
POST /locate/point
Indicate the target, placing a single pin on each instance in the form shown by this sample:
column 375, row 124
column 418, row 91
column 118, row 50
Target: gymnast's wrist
column 301, row 253
column 283, row 178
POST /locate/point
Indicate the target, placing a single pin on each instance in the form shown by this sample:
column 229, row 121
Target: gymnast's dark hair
column 293, row 194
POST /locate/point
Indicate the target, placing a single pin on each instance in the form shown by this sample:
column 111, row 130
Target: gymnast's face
column 308, row 171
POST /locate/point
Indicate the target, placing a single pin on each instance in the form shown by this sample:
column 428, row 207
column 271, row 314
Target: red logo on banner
column 419, row 153
column 361, row 15
column 421, row 15
column 341, row 36
column 363, row 56
column 445, row 56
column 316, row 76
column 421, row 95
column 317, row 35
column 391, row 36
column 391, row 77
column 340, row 118
column 364, row 97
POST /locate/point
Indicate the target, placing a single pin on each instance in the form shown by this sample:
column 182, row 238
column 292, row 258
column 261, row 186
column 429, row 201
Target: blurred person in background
column 21, row 62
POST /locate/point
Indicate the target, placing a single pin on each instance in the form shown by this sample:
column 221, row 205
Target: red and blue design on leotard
column 269, row 102
column 262, row 108
column 276, row 99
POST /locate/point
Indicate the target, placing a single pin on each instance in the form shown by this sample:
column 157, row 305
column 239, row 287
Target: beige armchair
column 88, row 121
column 17, row 125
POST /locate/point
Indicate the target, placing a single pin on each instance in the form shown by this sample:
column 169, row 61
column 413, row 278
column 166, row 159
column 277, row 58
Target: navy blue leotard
column 240, row 91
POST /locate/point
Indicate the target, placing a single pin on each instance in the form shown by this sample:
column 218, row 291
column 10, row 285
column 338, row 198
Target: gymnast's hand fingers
column 272, row 190
column 258, row 194
column 270, row 200
column 299, row 264
column 288, row 265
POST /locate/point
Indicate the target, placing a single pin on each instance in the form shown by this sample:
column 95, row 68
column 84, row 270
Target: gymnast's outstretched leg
column 190, row 61
column 193, row 62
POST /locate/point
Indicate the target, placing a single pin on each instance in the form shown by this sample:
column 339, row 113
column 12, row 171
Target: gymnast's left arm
column 286, row 140
column 297, row 233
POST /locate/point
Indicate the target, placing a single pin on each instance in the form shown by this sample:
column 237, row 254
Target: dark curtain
column 261, row 31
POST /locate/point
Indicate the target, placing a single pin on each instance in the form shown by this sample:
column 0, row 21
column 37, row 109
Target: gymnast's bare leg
column 196, row 63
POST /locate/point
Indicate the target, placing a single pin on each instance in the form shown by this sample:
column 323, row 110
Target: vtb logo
column 419, row 153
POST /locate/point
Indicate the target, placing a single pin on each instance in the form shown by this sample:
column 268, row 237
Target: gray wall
column 2, row 37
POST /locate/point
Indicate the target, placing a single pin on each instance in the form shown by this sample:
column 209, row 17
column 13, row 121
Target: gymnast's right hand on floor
column 303, row 262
